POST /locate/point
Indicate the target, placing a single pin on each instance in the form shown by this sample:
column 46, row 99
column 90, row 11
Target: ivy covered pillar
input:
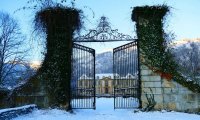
column 150, row 33
column 59, row 24
column 152, row 55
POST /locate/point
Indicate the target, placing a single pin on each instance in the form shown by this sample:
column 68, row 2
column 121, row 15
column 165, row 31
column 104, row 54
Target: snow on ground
column 105, row 111
column 17, row 108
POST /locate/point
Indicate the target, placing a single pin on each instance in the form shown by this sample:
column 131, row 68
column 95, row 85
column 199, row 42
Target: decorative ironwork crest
column 103, row 33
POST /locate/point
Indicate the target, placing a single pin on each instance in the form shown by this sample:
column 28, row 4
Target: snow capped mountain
column 104, row 62
column 16, row 73
column 186, row 41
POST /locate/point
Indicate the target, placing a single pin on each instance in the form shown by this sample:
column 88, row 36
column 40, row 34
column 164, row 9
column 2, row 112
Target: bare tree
column 188, row 57
column 12, row 51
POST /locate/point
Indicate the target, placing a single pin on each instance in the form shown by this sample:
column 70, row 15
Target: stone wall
column 168, row 94
column 33, row 92
column 10, row 113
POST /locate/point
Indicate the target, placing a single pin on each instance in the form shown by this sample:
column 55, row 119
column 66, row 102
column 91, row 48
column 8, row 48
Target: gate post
column 149, row 23
column 55, row 71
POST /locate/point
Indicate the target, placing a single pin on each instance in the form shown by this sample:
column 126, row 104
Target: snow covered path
column 105, row 111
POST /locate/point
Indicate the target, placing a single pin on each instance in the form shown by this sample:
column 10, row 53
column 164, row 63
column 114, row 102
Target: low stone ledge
column 7, row 114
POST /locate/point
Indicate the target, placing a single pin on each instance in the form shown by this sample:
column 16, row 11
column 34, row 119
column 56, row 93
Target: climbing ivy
column 152, row 39
column 59, row 24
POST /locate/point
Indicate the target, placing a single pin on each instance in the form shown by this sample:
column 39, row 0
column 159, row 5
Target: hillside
column 14, row 74
column 104, row 62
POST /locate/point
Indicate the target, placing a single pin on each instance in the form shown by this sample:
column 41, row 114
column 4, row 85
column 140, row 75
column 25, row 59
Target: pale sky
column 184, row 19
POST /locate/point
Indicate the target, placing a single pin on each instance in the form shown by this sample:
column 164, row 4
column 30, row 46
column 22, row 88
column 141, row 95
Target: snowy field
column 105, row 111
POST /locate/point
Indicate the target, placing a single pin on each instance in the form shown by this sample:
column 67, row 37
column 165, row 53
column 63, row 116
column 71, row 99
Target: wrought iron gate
column 126, row 82
column 83, row 77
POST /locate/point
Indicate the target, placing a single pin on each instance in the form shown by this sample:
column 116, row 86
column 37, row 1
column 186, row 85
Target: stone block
column 174, row 90
column 175, row 83
column 169, row 84
column 148, row 84
column 143, row 97
column 170, row 91
column 157, row 84
column 198, row 98
column 181, row 97
column 178, row 106
column 173, row 98
column 151, row 78
column 142, row 84
column 151, row 84
column 145, row 78
column 167, row 90
column 159, row 106
column 167, row 98
column 171, row 106
column 153, row 90
column 144, row 67
column 146, row 72
column 158, row 90
column 155, row 78
column 158, row 98
column 145, row 90
column 191, row 97
column 188, row 105
column 184, row 96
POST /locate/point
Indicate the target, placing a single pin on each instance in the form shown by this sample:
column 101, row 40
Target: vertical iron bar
column 79, row 91
column 85, row 86
column 83, row 89
column 94, row 89
column 125, row 87
column 114, row 75
column 77, row 78
column 91, row 80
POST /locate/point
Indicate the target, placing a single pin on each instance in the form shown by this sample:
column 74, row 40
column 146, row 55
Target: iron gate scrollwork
column 83, row 77
column 126, row 82
column 103, row 33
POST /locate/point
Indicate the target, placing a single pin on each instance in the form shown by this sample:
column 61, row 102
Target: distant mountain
column 16, row 73
column 104, row 62
column 178, row 43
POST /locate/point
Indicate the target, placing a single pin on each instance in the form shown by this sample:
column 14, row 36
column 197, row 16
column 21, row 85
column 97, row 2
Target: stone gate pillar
column 149, row 23
column 60, row 24
column 50, row 86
